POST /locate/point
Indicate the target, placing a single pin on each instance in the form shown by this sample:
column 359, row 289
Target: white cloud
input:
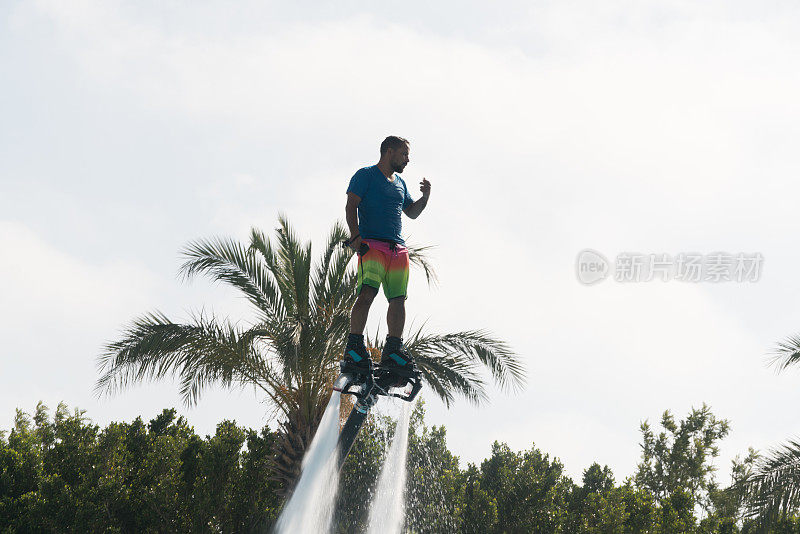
column 41, row 284
column 55, row 309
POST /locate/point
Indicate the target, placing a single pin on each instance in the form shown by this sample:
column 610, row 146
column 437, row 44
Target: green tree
column 727, row 507
column 20, row 473
column 772, row 489
column 67, row 475
column 478, row 511
column 290, row 350
column 433, row 478
column 531, row 491
column 359, row 474
column 594, row 507
column 599, row 506
column 677, row 465
column 640, row 508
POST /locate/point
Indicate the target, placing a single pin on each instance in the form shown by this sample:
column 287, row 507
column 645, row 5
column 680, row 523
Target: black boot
column 356, row 352
column 394, row 357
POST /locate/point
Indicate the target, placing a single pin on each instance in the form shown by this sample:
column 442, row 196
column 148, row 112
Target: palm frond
column 199, row 354
column 228, row 261
column 773, row 489
column 341, row 281
column 294, row 260
column 290, row 265
column 278, row 261
column 333, row 296
column 418, row 256
column 451, row 364
column 786, row 354
column 321, row 281
column 261, row 244
column 447, row 376
column 479, row 348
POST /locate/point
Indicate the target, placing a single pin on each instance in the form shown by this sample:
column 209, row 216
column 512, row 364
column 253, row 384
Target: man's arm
column 351, row 216
column 413, row 210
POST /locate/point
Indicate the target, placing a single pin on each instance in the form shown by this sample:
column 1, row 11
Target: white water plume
column 387, row 513
column 310, row 508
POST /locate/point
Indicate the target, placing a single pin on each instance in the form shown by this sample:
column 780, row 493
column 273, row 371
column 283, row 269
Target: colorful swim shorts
column 387, row 264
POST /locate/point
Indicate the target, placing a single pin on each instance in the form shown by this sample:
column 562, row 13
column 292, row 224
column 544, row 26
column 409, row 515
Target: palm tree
column 290, row 351
column 772, row 489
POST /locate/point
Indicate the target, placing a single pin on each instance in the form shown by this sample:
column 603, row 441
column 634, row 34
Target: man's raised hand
column 425, row 187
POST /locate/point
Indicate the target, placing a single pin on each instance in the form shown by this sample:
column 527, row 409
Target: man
column 376, row 197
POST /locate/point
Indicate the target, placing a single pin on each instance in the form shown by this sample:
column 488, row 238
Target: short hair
column 392, row 142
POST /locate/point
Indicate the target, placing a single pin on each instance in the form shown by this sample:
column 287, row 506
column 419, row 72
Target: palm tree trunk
column 295, row 436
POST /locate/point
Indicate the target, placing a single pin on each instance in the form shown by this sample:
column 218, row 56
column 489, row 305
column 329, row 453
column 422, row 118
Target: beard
column 398, row 167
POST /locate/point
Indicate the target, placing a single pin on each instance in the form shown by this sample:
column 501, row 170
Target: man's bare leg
column 360, row 312
column 396, row 317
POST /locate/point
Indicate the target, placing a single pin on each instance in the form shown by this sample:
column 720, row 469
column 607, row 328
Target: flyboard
column 366, row 385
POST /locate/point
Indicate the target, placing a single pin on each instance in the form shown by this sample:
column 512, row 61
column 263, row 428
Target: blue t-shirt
column 382, row 204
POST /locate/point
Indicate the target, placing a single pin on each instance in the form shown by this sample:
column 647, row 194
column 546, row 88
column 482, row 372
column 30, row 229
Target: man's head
column 394, row 151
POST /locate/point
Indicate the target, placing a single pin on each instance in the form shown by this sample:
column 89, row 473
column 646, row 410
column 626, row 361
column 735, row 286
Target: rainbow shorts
column 387, row 264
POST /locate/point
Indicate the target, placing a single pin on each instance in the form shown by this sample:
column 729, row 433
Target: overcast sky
column 129, row 129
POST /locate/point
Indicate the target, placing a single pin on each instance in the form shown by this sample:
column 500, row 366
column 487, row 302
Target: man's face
column 399, row 159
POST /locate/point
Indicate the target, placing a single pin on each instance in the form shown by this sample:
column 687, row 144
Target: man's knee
column 398, row 301
column 366, row 295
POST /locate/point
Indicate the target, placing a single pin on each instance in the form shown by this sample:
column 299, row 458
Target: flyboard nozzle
column 365, row 404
